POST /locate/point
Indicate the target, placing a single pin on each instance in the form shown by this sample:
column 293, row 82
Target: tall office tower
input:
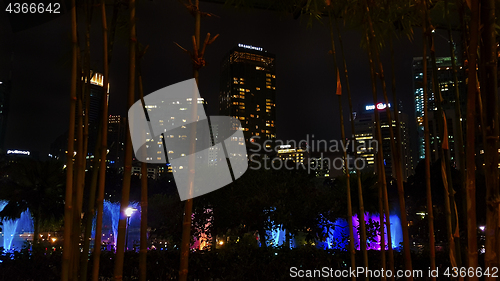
column 156, row 150
column 5, row 89
column 447, row 89
column 95, row 106
column 248, row 91
column 117, row 132
column 367, row 144
column 59, row 146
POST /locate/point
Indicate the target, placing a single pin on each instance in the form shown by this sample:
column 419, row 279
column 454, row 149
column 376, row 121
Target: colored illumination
column 337, row 238
column 379, row 106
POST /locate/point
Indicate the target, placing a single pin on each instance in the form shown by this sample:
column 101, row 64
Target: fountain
column 337, row 238
column 277, row 236
column 14, row 230
column 111, row 218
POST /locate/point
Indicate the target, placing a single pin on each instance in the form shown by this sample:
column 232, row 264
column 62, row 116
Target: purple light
column 337, row 238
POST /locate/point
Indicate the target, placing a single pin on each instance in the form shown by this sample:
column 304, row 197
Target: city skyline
column 305, row 83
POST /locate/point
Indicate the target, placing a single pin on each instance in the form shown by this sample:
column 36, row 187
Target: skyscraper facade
column 447, row 88
column 248, row 91
column 366, row 139
column 59, row 146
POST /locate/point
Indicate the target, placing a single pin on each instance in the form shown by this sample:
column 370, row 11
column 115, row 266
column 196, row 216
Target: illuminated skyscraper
column 59, row 146
column 248, row 90
column 366, row 139
column 447, row 88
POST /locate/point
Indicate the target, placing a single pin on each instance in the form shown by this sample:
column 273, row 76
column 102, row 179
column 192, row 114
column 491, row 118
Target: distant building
column 366, row 139
column 157, row 152
column 117, row 133
column 248, row 91
column 447, row 88
column 296, row 154
column 58, row 148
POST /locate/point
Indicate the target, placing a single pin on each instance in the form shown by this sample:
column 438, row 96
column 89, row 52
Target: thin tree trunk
column 440, row 120
column 114, row 21
column 144, row 202
column 89, row 215
column 103, row 146
column 68, row 207
column 490, row 101
column 348, row 187
column 122, row 225
column 188, row 207
column 459, row 139
column 362, row 221
column 430, row 214
column 373, row 52
column 381, row 225
column 346, row 164
column 398, row 145
column 463, row 192
column 396, row 160
column 77, row 191
column 83, row 119
column 470, row 151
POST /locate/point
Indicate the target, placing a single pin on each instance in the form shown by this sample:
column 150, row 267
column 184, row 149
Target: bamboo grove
column 378, row 24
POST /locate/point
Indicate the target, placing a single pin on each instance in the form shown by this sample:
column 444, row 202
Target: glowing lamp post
column 128, row 212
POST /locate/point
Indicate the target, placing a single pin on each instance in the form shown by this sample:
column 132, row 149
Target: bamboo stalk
column 432, row 248
column 459, row 139
column 490, row 127
column 68, row 207
column 188, row 207
column 362, row 221
column 144, row 202
column 381, row 225
column 122, row 224
column 90, row 213
column 470, row 150
column 102, row 146
column 445, row 169
column 83, row 145
column 370, row 36
column 78, row 191
column 401, row 192
column 352, row 251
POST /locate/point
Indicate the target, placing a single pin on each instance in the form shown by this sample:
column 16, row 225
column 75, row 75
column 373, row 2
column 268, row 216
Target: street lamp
column 128, row 213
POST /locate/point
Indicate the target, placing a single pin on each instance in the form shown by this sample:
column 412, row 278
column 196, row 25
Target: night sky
column 305, row 85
